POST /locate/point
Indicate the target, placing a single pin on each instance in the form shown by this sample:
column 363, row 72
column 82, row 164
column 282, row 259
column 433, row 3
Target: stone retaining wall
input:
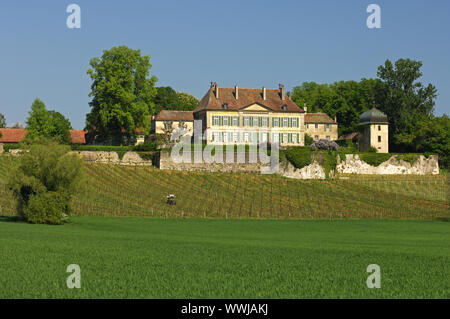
column 129, row 158
column 167, row 163
column 422, row 166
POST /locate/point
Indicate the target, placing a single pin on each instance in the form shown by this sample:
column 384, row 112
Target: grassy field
column 247, row 236
column 112, row 190
column 217, row 258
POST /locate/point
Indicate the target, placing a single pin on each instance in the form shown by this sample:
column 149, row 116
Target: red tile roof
column 166, row 115
column 349, row 136
column 77, row 136
column 15, row 135
column 12, row 135
column 318, row 118
column 246, row 97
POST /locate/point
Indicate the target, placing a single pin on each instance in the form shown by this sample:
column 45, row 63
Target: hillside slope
column 141, row 191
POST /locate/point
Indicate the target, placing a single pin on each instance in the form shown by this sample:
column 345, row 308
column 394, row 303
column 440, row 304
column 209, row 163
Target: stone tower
column 374, row 127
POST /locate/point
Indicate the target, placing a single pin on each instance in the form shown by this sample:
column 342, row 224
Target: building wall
column 256, row 111
column 370, row 135
column 321, row 132
column 379, row 131
column 159, row 126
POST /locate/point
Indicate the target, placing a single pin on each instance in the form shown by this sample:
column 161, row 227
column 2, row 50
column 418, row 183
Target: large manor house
column 251, row 116
column 245, row 116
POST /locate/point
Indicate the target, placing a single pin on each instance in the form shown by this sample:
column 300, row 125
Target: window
column 276, row 122
column 379, row 138
column 275, row 137
column 246, row 137
column 246, row 121
column 379, row 127
column 216, row 136
column 328, row 137
column 294, row 138
column 307, row 126
column 294, row 122
column 263, row 137
column 265, row 121
column 235, row 137
column 255, row 121
column 225, row 137
column 235, row 121
column 285, row 137
column 215, row 120
column 316, row 137
column 328, row 127
column 316, row 127
column 285, row 122
column 225, row 120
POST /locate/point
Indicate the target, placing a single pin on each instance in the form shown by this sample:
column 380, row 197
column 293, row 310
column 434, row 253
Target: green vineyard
column 111, row 190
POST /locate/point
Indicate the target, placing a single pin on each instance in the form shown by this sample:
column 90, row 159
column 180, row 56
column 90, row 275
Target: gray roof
column 373, row 116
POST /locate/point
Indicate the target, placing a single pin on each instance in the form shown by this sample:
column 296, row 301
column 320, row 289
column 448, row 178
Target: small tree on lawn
column 44, row 181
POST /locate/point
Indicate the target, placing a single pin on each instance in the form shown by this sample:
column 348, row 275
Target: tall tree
column 47, row 123
column 433, row 136
column 166, row 98
column 2, row 121
column 407, row 101
column 169, row 99
column 122, row 96
column 188, row 102
column 314, row 95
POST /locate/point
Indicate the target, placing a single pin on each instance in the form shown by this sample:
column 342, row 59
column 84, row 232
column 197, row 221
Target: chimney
column 264, row 93
column 335, row 118
column 216, row 89
column 236, row 91
column 282, row 92
column 305, row 108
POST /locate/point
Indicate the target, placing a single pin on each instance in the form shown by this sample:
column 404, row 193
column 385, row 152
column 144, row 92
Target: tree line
column 397, row 91
column 124, row 95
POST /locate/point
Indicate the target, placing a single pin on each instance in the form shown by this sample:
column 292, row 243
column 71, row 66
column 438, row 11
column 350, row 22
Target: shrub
column 375, row 159
column 324, row 145
column 299, row 157
column 47, row 208
column 146, row 147
column 7, row 147
column 371, row 149
column 308, row 140
column 148, row 156
column 43, row 182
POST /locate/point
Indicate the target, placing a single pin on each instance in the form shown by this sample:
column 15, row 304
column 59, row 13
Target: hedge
column 7, row 147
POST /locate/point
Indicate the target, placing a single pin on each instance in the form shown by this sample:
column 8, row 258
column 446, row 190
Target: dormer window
column 225, row 106
column 284, row 107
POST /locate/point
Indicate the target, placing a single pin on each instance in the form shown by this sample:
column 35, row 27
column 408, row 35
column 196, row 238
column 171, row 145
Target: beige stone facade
column 254, row 124
column 159, row 126
column 320, row 126
column 320, row 131
column 250, row 116
column 377, row 136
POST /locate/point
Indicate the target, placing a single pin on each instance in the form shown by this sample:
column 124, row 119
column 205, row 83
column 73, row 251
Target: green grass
column 216, row 258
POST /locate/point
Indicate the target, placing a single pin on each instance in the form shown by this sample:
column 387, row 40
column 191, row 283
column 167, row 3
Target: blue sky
column 191, row 43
